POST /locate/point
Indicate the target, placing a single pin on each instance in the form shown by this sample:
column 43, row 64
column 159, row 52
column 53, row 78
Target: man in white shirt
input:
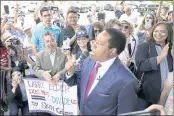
column 50, row 61
column 107, row 86
column 128, row 16
column 93, row 13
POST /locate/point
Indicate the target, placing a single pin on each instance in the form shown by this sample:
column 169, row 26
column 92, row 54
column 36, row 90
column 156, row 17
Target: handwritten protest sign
column 46, row 97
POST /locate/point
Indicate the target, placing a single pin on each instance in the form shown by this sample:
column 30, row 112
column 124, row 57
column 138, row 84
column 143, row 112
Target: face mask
column 148, row 22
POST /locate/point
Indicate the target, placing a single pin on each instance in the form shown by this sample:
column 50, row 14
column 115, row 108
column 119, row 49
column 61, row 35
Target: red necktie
column 92, row 78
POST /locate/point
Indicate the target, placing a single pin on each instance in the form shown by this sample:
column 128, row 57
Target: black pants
column 14, row 109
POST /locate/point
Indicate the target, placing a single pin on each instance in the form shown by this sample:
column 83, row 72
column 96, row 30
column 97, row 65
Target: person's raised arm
column 16, row 13
column 35, row 14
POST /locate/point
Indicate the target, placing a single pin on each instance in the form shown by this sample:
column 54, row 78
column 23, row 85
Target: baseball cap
column 81, row 33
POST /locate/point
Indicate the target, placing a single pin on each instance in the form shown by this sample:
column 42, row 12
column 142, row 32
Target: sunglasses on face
column 97, row 31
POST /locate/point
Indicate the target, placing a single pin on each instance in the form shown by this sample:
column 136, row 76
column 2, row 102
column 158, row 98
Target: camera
column 23, row 64
column 14, row 41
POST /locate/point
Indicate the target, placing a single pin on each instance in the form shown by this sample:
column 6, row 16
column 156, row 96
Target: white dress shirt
column 101, row 71
column 131, row 18
column 52, row 57
column 124, row 55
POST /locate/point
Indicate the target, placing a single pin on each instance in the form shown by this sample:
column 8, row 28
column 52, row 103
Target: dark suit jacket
column 146, row 62
column 13, row 97
column 115, row 93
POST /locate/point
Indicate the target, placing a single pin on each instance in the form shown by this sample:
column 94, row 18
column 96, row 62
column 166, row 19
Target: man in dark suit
column 107, row 86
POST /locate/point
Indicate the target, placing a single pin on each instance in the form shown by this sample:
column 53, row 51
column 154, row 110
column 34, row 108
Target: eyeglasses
column 72, row 17
column 124, row 27
column 48, row 15
column 97, row 31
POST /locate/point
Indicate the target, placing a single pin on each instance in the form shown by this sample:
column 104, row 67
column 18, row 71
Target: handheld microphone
column 99, row 78
column 82, row 57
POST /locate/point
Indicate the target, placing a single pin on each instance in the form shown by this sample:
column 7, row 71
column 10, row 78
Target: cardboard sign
column 55, row 99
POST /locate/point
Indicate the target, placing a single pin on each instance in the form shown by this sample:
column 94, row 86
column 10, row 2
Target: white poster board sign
column 46, row 97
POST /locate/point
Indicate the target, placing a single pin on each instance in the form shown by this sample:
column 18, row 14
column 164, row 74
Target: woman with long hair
column 143, row 30
column 127, row 56
column 154, row 62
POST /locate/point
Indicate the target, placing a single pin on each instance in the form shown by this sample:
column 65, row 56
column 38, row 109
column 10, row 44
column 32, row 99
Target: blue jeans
column 14, row 109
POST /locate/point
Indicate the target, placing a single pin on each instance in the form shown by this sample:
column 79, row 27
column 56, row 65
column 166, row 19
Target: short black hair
column 72, row 11
column 43, row 9
column 50, row 34
column 17, row 68
column 117, row 40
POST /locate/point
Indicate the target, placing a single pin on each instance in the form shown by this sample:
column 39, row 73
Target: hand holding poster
column 46, row 97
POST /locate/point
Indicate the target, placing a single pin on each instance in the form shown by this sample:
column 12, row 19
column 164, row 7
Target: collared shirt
column 39, row 32
column 52, row 57
column 101, row 71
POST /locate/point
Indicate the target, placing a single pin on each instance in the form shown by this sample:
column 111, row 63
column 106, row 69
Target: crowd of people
column 127, row 66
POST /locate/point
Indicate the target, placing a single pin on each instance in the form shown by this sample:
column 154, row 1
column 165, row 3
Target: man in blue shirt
column 41, row 29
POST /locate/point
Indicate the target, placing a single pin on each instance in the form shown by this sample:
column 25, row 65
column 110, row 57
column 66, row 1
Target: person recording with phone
column 143, row 30
column 16, row 96
column 104, row 81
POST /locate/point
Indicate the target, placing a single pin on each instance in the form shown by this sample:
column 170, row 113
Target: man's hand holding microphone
column 70, row 66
